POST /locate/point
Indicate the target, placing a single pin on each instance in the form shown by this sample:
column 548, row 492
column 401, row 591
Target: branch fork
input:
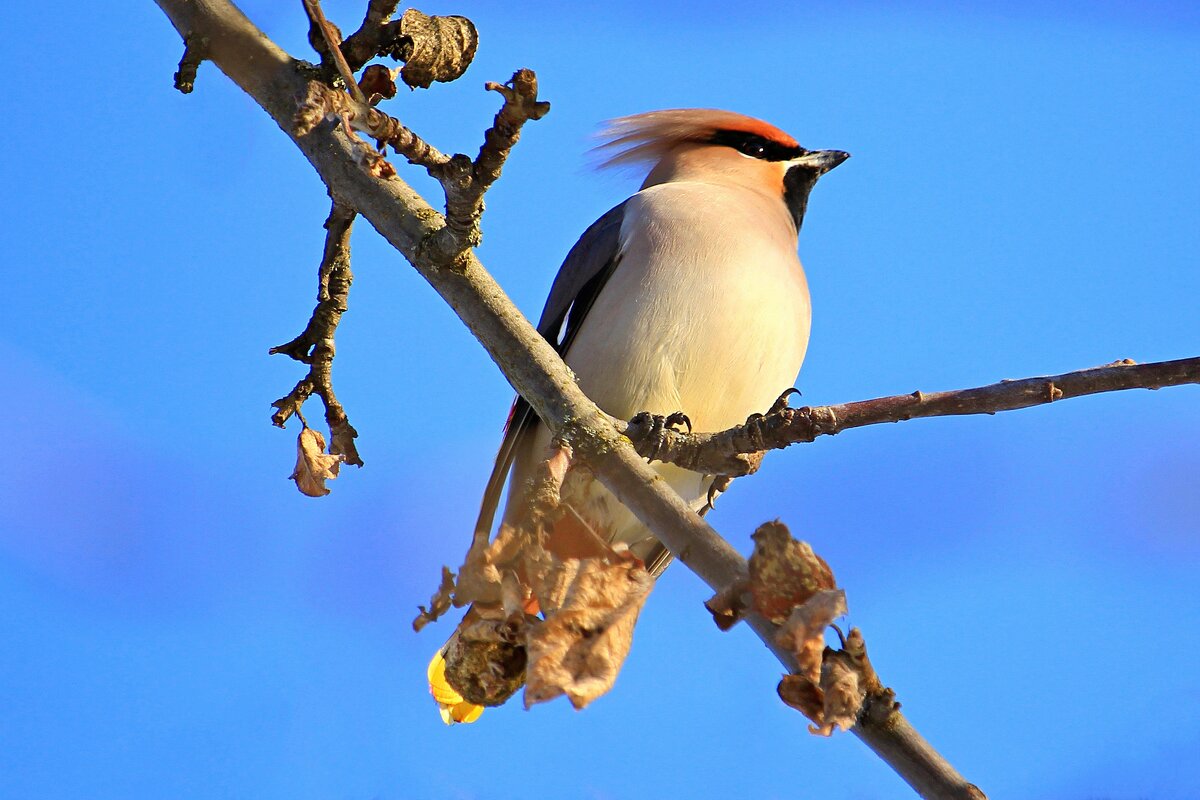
column 315, row 344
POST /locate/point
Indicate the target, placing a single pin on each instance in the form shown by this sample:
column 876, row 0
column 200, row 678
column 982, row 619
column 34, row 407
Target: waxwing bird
column 687, row 297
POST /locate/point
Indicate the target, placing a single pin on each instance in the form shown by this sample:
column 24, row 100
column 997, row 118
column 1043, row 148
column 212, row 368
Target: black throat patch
column 797, row 185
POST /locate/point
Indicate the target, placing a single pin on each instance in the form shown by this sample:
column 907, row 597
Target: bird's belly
column 716, row 335
column 700, row 338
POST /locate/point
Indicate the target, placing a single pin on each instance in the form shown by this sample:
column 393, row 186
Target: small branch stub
column 465, row 181
column 195, row 50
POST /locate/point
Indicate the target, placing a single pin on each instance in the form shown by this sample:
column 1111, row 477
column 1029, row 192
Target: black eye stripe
column 756, row 146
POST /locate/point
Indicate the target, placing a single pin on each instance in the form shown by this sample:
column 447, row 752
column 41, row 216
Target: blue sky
column 179, row 622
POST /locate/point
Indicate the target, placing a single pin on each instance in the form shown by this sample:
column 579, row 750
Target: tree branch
column 725, row 452
column 331, row 38
column 315, row 344
column 466, row 181
column 368, row 41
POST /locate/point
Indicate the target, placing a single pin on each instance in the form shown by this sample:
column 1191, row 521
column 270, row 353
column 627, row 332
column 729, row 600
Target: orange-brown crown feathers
column 648, row 137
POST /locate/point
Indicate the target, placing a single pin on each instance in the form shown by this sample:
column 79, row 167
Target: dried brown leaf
column 434, row 48
column 784, row 572
column 438, row 604
column 372, row 162
column 581, row 646
column 479, row 578
column 377, row 82
column 843, row 697
column 313, row 465
column 728, row 605
column 556, row 581
column 803, row 634
column 513, row 593
column 803, row 695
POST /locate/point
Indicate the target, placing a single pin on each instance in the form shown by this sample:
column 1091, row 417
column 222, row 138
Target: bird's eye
column 753, row 148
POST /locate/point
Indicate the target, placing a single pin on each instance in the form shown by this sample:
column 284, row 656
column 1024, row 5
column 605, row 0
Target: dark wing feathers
column 578, row 283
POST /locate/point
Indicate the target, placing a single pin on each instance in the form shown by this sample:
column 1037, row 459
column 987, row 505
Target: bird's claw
column 720, row 484
column 676, row 419
column 657, row 425
column 781, row 402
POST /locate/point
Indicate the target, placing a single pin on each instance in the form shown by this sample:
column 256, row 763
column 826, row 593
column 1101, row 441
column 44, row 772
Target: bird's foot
column 652, row 430
column 752, row 460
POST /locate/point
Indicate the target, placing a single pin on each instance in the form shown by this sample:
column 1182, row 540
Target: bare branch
column 320, row 101
column 315, row 344
column 466, row 181
column 726, row 452
column 367, row 42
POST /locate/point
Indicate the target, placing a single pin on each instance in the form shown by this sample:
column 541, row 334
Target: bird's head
column 720, row 147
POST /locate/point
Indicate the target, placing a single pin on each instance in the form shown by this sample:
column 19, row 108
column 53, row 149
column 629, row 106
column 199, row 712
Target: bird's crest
column 648, row 137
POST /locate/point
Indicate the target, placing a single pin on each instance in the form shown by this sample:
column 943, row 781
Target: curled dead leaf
column 438, row 604
column 784, row 572
column 836, row 699
column 728, row 605
column 843, row 697
column 434, row 48
column 803, row 695
column 803, row 634
column 313, row 465
column 581, row 646
column 479, row 578
column 377, row 82
column 372, row 161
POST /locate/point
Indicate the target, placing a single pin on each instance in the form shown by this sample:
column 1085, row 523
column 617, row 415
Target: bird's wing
column 579, row 280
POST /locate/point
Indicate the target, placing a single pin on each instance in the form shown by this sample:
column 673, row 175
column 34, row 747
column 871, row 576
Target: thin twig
column 725, row 452
column 465, row 181
column 315, row 344
column 368, row 41
column 332, row 38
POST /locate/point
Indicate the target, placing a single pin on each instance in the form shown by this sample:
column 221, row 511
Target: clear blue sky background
column 177, row 621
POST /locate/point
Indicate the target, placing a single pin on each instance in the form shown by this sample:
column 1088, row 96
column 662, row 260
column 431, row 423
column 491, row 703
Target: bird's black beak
column 801, row 176
column 820, row 161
